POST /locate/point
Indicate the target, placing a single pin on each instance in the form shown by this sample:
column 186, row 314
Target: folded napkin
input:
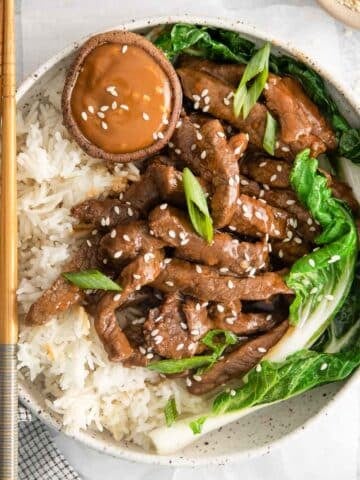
column 39, row 459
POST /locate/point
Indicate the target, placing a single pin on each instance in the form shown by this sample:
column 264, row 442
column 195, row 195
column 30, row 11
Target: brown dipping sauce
column 121, row 100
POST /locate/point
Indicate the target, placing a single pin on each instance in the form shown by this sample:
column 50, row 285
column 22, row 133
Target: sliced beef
column 62, row 294
column 227, row 72
column 209, row 284
column 174, row 329
column 274, row 173
column 141, row 271
column 342, row 191
column 301, row 123
column 256, row 218
column 126, row 241
column 104, row 213
column 235, row 364
column 230, row 317
column 219, row 164
column 173, row 227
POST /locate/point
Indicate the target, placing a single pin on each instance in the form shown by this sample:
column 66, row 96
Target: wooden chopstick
column 8, row 253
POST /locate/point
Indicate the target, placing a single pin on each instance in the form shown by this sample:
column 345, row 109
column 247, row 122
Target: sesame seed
column 266, row 187
column 89, row 243
column 126, row 237
column 100, row 114
column 197, row 378
column 232, row 228
column 252, row 272
column 148, row 256
column 312, row 229
column 273, row 177
column 290, row 202
column 268, row 317
column 188, row 382
column 105, row 261
column 281, row 253
column 237, row 150
column 177, row 151
column 104, row 108
column 154, row 332
column 130, row 212
column 276, row 231
column 285, row 149
column 230, row 320
column 158, row 339
column 207, row 100
column 258, row 368
column 136, row 276
column 104, row 125
column 178, row 124
column 279, row 168
column 94, row 232
column 84, row 116
column 226, row 101
column 244, row 182
column 160, row 135
column 145, row 116
column 169, row 283
column 323, row 366
column 163, row 206
column 196, row 97
column 195, row 331
column 167, row 260
column 277, row 144
column 334, row 258
column 298, row 240
column 206, row 108
column 124, row 107
column 155, row 136
column 230, row 284
column 183, row 325
column 258, row 215
column 114, row 105
column 310, row 221
column 261, row 350
column 203, row 154
column 149, row 356
column 220, row 308
column 311, row 262
column 231, row 182
column 193, row 147
column 261, row 193
column 113, row 233
column 118, row 254
column 91, row 109
column 117, row 297
column 220, row 134
column 196, row 105
column 172, row 233
column 198, row 269
column 142, row 350
column 199, row 136
column 124, row 48
column 180, row 346
column 159, row 318
column 204, row 92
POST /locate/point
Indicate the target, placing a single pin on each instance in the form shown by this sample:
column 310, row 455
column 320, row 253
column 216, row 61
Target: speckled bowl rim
column 121, row 450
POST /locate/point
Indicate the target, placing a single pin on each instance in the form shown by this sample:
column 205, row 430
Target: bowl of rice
column 65, row 377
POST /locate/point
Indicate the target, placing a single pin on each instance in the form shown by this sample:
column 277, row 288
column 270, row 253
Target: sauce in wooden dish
column 122, row 98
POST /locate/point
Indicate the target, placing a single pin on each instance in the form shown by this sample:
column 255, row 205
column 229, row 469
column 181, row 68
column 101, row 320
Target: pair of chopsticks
column 8, row 247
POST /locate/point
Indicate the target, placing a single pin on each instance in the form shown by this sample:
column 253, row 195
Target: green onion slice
column 91, row 280
column 256, row 70
column 170, row 412
column 197, row 206
column 269, row 140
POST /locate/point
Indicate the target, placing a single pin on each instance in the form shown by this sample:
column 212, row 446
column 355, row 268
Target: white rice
column 64, row 357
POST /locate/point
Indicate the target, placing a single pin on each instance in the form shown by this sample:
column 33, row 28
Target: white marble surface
column 329, row 448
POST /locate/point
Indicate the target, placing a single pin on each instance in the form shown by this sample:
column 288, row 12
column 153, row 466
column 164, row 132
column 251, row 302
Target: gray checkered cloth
column 39, row 459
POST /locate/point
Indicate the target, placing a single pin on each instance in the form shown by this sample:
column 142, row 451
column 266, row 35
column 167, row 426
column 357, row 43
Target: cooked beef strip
column 221, row 166
column 62, row 294
column 141, row 271
column 238, row 362
column 209, row 284
column 272, row 172
column 227, row 72
column 104, row 213
column 341, row 190
column 173, row 227
column 256, row 218
column 230, row 317
column 174, row 329
column 301, row 123
column 126, row 241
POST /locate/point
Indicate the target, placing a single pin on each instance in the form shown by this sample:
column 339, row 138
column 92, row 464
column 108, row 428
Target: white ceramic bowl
column 253, row 435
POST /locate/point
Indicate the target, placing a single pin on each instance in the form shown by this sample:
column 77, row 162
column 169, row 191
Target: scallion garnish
column 256, row 70
column 269, row 140
column 91, row 280
column 170, row 412
column 197, row 206
column 197, row 425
